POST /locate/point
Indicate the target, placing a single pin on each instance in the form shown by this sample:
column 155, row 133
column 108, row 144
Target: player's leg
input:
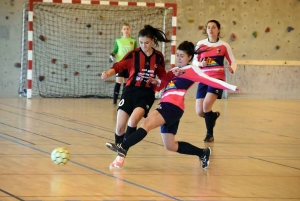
column 119, row 81
column 186, row 148
column 152, row 121
column 210, row 117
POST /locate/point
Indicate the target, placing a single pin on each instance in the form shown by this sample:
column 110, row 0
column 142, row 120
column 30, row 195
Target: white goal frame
column 172, row 6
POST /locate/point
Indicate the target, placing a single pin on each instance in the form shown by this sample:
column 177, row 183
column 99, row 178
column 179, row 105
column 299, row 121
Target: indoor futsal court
column 254, row 156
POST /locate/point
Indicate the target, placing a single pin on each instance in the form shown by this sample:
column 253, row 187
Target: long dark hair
column 189, row 49
column 153, row 33
column 218, row 25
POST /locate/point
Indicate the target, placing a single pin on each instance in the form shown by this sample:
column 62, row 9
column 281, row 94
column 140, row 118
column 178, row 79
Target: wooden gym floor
column 255, row 156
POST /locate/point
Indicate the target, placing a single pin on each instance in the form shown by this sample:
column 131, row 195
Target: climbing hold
column 254, row 34
column 53, row 61
column 267, row 30
column 190, row 21
column 201, row 27
column 234, row 22
column 100, row 33
column 179, row 27
column 100, row 17
column 18, row 65
column 289, row 29
column 76, row 73
column 277, row 47
column 232, row 37
column 65, row 65
column 88, row 25
column 88, row 66
column 89, row 53
column 41, row 78
column 42, row 38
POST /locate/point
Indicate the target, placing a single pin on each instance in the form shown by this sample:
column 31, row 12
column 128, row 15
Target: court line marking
column 99, row 171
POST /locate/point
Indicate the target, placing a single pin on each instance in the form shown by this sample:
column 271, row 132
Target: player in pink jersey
column 211, row 63
column 171, row 108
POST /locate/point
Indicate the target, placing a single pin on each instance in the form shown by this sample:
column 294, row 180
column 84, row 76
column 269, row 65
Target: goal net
column 71, row 42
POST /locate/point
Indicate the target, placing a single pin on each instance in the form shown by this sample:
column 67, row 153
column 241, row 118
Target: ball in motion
column 60, row 156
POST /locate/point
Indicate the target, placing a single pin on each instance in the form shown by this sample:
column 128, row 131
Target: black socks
column 129, row 131
column 119, row 139
column 116, row 92
column 134, row 138
column 189, row 149
column 210, row 118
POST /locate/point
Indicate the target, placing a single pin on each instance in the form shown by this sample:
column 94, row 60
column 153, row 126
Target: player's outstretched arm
column 107, row 74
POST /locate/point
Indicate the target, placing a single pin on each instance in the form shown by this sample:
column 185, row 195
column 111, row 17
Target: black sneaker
column 121, row 151
column 208, row 138
column 112, row 146
column 205, row 157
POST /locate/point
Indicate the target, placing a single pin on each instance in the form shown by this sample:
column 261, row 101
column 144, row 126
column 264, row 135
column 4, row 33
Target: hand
column 153, row 81
column 238, row 89
column 104, row 75
column 230, row 69
column 176, row 71
column 111, row 59
column 203, row 63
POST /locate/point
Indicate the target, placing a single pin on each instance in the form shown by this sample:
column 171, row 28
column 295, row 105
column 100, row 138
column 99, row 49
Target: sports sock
column 119, row 139
column 129, row 131
column 210, row 118
column 116, row 91
column 134, row 138
column 189, row 149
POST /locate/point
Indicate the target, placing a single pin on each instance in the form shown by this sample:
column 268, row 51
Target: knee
column 120, row 130
column 133, row 122
column 200, row 113
column 171, row 147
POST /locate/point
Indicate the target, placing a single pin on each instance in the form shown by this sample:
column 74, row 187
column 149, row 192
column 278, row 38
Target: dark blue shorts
column 171, row 114
column 124, row 74
column 203, row 89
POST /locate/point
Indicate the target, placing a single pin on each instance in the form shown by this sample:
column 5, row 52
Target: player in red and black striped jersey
column 171, row 108
column 139, row 94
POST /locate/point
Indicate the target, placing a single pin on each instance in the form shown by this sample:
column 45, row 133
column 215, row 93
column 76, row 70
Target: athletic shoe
column 112, row 146
column 121, row 151
column 208, row 138
column 118, row 163
column 205, row 157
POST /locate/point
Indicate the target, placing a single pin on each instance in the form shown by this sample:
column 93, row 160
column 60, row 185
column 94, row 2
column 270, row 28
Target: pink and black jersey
column 141, row 67
column 214, row 57
column 176, row 89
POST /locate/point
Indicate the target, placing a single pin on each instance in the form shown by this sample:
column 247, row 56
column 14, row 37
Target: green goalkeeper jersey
column 122, row 46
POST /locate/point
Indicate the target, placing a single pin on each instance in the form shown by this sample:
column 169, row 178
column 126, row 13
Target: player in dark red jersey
column 138, row 96
column 171, row 108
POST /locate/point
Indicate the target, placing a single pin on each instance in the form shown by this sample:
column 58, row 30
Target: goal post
column 69, row 42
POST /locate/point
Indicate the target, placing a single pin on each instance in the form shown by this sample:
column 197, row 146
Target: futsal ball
column 60, row 156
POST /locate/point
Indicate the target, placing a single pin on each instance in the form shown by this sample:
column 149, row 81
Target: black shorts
column 172, row 115
column 134, row 97
column 203, row 89
column 124, row 74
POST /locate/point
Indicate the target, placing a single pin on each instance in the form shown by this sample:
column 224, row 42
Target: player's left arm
column 231, row 60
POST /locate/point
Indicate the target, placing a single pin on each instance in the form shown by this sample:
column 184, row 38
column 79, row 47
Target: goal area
column 66, row 43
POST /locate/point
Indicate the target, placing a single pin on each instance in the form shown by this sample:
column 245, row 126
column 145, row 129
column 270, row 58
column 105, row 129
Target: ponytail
column 153, row 33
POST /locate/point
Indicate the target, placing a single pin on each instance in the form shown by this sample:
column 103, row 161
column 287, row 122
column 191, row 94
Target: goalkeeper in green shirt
column 122, row 46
